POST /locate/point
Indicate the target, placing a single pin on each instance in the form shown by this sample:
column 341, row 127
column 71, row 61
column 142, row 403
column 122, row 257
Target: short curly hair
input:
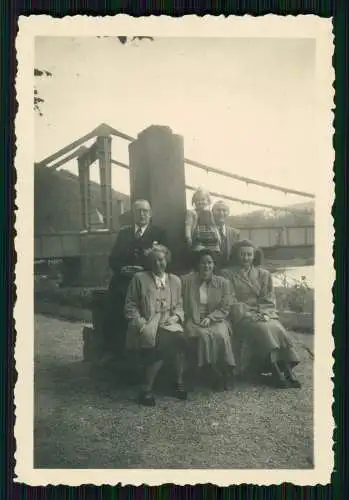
column 220, row 204
column 197, row 256
column 151, row 253
column 201, row 193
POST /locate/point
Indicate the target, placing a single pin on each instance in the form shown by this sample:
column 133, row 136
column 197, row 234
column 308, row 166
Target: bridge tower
column 157, row 175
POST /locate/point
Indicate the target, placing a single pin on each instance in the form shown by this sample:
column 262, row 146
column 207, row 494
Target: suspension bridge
column 157, row 172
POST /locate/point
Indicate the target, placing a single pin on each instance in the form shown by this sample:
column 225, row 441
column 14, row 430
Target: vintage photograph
column 174, row 223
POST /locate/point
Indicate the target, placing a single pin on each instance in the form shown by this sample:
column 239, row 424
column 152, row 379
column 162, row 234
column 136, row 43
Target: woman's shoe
column 229, row 379
column 293, row 382
column 180, row 392
column 146, row 398
column 279, row 382
column 231, row 382
column 282, row 384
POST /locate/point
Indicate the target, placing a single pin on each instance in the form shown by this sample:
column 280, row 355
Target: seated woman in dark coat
column 265, row 344
column 206, row 303
column 155, row 316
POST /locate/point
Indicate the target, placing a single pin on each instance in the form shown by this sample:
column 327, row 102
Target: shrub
column 297, row 296
column 76, row 297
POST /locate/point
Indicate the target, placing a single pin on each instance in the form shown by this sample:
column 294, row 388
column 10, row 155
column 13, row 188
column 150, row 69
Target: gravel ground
column 86, row 419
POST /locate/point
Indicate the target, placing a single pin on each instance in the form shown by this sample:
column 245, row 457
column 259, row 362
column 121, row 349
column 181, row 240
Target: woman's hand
column 143, row 324
column 256, row 316
column 205, row 322
column 253, row 316
column 249, row 315
column 263, row 317
column 172, row 320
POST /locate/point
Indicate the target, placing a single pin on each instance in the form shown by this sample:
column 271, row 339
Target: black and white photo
column 174, row 250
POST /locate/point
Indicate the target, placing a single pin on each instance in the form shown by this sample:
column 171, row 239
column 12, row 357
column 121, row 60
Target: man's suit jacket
column 129, row 250
column 232, row 235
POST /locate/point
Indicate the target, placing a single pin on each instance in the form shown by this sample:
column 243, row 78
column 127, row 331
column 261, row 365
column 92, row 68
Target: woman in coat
column 206, row 304
column 265, row 344
column 154, row 312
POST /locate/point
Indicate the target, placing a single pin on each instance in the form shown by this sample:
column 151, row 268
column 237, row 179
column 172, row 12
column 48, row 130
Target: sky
column 244, row 105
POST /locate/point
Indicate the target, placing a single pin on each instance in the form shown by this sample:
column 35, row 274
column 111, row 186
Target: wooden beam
column 84, row 182
column 120, row 164
column 104, row 154
column 73, row 155
column 105, row 129
column 94, row 133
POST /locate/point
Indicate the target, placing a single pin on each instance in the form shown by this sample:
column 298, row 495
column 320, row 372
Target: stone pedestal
column 157, row 175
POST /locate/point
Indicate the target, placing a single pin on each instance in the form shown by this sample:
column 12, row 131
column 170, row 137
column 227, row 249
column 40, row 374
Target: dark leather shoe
column 279, row 383
column 294, row 383
column 181, row 393
column 146, row 399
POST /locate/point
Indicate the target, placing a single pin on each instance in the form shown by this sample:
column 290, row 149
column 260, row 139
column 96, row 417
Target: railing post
column 287, row 236
column 157, row 174
column 84, row 181
column 104, row 156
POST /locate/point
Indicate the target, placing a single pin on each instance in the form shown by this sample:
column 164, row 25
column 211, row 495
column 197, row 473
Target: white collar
column 160, row 281
column 141, row 228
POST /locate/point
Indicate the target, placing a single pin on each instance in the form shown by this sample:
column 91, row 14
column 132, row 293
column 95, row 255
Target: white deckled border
column 189, row 26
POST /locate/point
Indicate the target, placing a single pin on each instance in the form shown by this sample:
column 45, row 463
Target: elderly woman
column 265, row 345
column 155, row 316
column 206, row 303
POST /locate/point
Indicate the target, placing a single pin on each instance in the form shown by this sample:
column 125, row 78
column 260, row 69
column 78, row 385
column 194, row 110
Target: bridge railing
column 70, row 244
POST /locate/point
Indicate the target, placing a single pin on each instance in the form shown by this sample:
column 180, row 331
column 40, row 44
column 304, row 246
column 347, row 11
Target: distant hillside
column 302, row 214
column 57, row 201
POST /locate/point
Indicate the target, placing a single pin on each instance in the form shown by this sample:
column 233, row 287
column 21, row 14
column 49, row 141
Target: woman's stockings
column 150, row 375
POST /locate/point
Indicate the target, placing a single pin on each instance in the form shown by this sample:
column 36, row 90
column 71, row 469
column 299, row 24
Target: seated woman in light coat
column 155, row 316
column 206, row 304
column 265, row 344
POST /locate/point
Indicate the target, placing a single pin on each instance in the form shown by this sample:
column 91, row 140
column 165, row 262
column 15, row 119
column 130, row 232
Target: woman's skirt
column 212, row 344
column 259, row 341
column 168, row 344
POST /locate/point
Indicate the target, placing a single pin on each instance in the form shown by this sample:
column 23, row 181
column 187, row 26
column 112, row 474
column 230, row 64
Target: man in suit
column 227, row 234
column 127, row 257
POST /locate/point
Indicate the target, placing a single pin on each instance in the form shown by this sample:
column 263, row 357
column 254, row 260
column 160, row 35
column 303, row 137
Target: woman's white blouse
column 203, row 294
column 160, row 281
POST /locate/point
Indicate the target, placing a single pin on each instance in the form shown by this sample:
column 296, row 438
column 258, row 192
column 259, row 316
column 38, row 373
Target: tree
column 38, row 73
column 37, row 99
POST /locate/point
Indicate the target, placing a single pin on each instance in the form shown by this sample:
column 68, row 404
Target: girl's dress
column 201, row 228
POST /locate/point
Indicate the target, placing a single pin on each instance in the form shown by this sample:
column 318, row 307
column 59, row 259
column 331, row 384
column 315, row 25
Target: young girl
column 200, row 229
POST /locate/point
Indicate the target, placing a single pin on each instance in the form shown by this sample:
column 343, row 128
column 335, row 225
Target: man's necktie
column 223, row 239
column 138, row 233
